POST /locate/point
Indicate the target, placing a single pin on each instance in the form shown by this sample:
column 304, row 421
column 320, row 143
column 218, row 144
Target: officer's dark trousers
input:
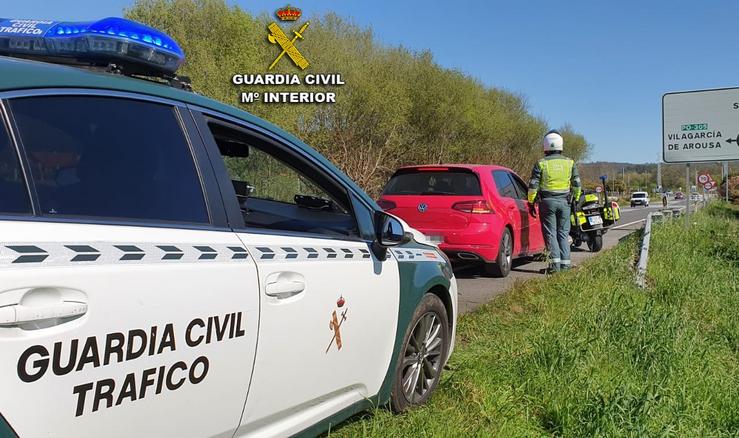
column 555, row 226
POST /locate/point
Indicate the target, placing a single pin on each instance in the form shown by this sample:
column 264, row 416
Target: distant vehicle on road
column 695, row 197
column 474, row 213
column 679, row 195
column 639, row 198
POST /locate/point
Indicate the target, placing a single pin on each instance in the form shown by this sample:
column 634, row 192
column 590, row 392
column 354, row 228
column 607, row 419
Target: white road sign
column 700, row 126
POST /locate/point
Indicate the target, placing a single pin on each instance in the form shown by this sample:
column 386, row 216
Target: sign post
column 690, row 195
column 726, row 180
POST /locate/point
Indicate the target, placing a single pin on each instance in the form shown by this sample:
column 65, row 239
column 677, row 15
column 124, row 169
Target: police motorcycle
column 590, row 220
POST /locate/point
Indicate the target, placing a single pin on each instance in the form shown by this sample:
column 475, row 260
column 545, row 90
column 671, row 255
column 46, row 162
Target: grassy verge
column 587, row 353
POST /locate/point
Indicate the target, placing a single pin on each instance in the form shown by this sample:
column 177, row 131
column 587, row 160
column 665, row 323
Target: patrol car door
column 124, row 309
column 328, row 306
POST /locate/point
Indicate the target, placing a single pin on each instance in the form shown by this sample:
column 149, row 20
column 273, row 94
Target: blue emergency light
column 138, row 48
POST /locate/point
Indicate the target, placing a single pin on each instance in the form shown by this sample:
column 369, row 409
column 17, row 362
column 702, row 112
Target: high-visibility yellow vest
column 556, row 174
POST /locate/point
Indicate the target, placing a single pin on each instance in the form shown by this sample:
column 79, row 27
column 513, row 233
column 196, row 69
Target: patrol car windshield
column 451, row 182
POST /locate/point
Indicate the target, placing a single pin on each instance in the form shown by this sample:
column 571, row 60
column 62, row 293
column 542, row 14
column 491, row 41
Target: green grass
column 588, row 354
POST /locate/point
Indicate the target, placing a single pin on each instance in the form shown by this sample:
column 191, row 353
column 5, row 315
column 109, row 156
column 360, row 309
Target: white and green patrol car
column 173, row 266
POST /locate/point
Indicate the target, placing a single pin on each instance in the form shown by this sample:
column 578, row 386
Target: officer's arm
column 576, row 183
column 534, row 183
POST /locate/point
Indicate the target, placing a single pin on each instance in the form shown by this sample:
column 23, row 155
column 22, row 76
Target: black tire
column 421, row 356
column 576, row 243
column 502, row 266
column 596, row 243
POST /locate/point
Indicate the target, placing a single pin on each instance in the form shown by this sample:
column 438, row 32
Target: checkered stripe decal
column 416, row 255
column 72, row 254
column 308, row 253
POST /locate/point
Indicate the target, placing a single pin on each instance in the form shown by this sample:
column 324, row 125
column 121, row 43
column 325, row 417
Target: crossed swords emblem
column 335, row 326
column 277, row 36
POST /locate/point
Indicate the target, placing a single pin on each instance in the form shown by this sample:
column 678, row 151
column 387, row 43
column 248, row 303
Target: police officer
column 553, row 180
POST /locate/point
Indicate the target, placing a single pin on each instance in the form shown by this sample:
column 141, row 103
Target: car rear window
column 452, row 182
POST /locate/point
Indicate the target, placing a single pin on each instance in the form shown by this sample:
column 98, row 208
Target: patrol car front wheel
column 421, row 360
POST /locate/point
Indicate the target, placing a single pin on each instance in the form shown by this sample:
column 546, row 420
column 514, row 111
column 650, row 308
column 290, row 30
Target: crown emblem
column 288, row 13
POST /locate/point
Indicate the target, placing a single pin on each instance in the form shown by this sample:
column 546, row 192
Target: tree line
column 398, row 106
column 627, row 177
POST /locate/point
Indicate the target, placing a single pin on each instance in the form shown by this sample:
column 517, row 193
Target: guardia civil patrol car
column 173, row 266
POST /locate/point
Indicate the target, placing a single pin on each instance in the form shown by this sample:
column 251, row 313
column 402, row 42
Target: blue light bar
column 110, row 40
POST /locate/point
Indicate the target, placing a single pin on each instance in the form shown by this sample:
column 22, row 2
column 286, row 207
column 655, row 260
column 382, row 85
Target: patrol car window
column 273, row 194
column 504, row 184
column 13, row 195
column 109, row 157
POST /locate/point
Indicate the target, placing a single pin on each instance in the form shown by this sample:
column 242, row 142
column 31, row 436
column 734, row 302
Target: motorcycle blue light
column 110, row 40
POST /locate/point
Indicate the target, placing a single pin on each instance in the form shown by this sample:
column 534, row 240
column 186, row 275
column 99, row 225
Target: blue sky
column 601, row 66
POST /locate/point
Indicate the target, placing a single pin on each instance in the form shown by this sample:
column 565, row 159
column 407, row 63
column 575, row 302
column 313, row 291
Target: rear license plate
column 434, row 238
column 595, row 220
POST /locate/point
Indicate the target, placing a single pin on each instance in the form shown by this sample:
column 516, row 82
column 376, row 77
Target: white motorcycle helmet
column 553, row 141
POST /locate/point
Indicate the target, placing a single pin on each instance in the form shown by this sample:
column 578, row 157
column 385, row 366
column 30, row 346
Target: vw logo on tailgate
column 422, row 207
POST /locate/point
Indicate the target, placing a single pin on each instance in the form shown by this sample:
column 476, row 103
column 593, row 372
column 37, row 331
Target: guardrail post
column 641, row 268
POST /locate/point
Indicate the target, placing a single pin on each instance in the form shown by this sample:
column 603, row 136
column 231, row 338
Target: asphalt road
column 476, row 289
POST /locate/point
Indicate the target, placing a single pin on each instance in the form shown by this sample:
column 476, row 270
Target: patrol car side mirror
column 389, row 230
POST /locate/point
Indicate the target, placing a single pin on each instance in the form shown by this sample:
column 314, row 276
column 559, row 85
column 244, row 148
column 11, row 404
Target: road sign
column 703, row 178
column 708, row 185
column 598, row 189
column 700, row 126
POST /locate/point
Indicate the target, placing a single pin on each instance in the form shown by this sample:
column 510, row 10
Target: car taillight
column 475, row 207
column 385, row 204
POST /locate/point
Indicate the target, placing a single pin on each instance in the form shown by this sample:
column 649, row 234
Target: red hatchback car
column 475, row 213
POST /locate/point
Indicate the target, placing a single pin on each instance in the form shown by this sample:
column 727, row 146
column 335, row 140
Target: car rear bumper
column 478, row 242
column 470, row 253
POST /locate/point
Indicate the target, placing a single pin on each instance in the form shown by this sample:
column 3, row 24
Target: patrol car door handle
column 284, row 288
column 19, row 314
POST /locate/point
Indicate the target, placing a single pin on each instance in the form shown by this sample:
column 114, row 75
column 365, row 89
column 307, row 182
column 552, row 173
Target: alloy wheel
column 507, row 250
column 422, row 359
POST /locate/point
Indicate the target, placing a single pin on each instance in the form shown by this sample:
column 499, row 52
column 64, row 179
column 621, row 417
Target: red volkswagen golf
column 475, row 213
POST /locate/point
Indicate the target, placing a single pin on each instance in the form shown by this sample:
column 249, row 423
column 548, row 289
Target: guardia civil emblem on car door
column 422, row 207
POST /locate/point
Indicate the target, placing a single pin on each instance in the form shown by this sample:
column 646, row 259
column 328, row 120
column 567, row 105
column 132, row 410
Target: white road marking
column 630, row 223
